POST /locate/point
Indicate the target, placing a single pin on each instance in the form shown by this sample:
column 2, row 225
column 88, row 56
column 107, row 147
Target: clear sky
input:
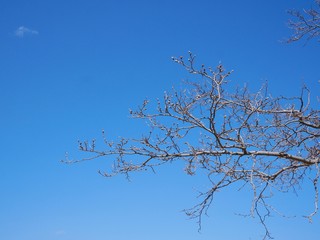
column 71, row 68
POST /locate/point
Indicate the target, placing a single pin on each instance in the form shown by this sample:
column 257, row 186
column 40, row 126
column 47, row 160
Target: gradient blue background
column 89, row 62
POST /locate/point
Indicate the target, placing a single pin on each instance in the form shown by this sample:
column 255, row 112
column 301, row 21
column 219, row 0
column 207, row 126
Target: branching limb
column 305, row 23
column 254, row 139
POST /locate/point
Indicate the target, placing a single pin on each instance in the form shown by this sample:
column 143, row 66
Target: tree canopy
column 305, row 23
column 270, row 143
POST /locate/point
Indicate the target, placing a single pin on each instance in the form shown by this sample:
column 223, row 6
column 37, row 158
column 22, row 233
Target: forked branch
column 232, row 136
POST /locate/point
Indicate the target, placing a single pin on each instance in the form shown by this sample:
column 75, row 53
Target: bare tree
column 305, row 23
column 271, row 144
column 268, row 143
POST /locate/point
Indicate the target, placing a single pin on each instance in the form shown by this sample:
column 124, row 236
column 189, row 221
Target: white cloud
column 22, row 31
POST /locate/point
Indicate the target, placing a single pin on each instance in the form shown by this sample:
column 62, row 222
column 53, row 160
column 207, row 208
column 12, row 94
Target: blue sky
column 71, row 68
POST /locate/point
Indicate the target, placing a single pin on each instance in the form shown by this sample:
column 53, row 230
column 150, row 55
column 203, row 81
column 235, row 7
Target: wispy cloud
column 60, row 233
column 22, row 31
